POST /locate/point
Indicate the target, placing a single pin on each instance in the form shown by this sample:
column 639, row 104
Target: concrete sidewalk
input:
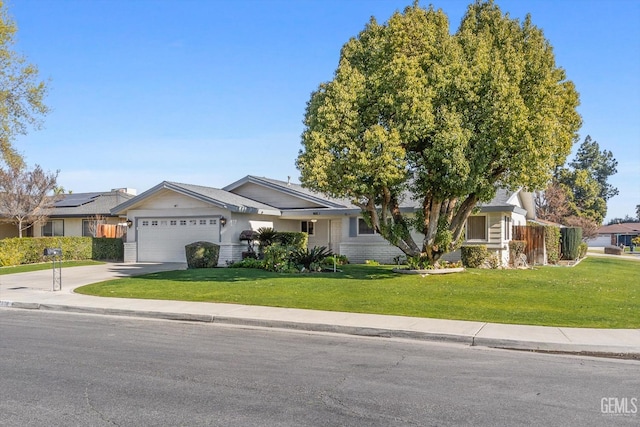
column 34, row 291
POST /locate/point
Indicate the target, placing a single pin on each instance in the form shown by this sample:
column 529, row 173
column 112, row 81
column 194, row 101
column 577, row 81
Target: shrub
column 494, row 261
column 247, row 263
column 266, row 236
column 107, row 249
column 582, row 249
column 473, row 256
column 571, row 237
column 309, row 259
column 516, row 250
column 371, row 262
column 276, row 258
column 202, row 254
column 339, row 260
column 419, row 262
column 293, row 239
column 552, row 243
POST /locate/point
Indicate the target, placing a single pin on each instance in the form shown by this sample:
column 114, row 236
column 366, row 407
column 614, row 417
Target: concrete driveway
column 79, row 276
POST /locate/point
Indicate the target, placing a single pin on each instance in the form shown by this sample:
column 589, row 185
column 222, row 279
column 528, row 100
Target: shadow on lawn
column 357, row 272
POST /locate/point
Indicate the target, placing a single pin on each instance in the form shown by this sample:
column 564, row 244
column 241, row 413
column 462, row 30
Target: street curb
column 554, row 347
column 244, row 321
column 470, row 340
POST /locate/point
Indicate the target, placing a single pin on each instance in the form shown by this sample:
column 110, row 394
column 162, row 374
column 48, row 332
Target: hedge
column 552, row 243
column 108, row 249
column 30, row 250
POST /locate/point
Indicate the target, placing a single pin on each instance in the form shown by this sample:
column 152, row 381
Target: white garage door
column 164, row 239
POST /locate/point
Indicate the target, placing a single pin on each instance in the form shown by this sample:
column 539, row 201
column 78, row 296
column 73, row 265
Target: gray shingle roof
column 230, row 200
column 214, row 196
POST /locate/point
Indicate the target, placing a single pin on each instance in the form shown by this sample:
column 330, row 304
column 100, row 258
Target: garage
column 164, row 239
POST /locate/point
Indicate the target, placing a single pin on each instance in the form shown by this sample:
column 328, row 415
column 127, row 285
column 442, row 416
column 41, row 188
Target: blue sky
column 206, row 92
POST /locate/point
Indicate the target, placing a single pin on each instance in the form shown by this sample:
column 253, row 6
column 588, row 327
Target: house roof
column 214, row 196
column 632, row 228
column 293, row 189
column 505, row 200
column 509, row 200
column 87, row 204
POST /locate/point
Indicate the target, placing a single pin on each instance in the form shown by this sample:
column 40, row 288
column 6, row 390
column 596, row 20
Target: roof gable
column 209, row 195
column 284, row 195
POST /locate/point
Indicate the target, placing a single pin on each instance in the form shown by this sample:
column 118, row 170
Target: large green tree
column 419, row 115
column 21, row 93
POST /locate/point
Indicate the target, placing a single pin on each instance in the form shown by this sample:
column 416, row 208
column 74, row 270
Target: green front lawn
column 599, row 292
column 44, row 266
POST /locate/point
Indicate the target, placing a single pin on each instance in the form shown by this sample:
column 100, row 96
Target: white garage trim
column 162, row 239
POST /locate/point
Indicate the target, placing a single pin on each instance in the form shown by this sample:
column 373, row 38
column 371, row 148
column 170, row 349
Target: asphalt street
column 65, row 369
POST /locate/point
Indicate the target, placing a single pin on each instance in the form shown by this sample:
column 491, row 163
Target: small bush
column 494, row 262
column 420, row 262
column 473, row 256
column 276, row 258
column 247, row 263
column 371, row 262
column 582, row 249
column 202, row 254
column 339, row 260
column 309, row 259
column 266, row 236
column 516, row 250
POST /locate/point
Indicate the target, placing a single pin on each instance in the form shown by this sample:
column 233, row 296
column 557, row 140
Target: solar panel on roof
column 75, row 200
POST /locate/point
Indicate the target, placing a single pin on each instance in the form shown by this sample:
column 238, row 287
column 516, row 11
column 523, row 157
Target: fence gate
column 534, row 236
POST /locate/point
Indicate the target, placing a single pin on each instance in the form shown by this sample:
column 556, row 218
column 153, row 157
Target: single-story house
column 171, row 215
column 76, row 214
column 616, row 234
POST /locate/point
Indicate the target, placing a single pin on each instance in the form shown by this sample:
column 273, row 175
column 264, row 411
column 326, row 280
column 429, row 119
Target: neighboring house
column 171, row 215
column 616, row 234
column 75, row 214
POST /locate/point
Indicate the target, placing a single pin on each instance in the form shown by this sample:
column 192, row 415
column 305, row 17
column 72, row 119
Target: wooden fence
column 534, row 236
column 110, row 230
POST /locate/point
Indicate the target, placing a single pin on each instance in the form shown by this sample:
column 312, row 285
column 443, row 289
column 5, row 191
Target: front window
column 89, row 228
column 53, row 228
column 364, row 228
column 308, row 227
column 477, row 228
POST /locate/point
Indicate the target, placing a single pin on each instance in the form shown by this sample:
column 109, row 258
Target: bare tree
column 552, row 203
column 94, row 224
column 588, row 225
column 24, row 196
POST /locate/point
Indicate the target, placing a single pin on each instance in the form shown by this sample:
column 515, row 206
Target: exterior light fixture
column 129, row 223
column 223, row 221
